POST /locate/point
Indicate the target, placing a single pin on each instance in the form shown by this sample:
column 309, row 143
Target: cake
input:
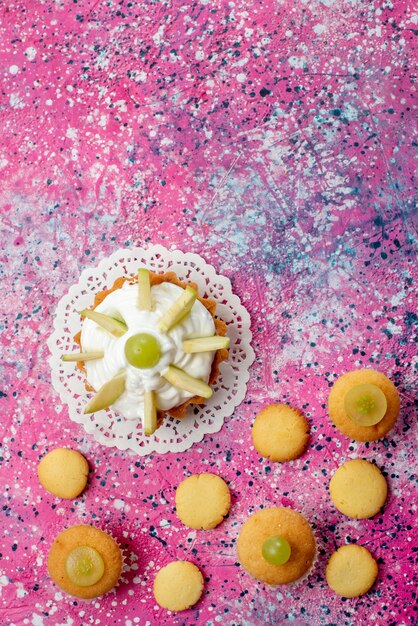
column 150, row 346
column 85, row 561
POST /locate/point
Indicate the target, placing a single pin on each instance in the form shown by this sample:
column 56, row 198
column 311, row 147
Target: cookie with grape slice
column 276, row 546
column 85, row 562
column 364, row 404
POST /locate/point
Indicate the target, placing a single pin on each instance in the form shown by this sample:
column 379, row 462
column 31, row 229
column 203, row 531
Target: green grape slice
column 84, row 566
column 143, row 350
column 276, row 550
column 365, row 404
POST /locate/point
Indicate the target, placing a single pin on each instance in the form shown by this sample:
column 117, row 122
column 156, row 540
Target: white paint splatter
column 159, row 35
column 141, row 77
column 30, row 53
column 102, row 121
column 16, row 102
column 4, row 581
column 394, row 329
column 297, row 61
column 20, row 591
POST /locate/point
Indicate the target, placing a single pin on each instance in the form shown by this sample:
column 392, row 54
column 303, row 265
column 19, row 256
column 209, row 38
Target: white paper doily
column 109, row 427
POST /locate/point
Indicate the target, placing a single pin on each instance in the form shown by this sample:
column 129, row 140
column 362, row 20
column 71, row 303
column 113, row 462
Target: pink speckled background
column 277, row 142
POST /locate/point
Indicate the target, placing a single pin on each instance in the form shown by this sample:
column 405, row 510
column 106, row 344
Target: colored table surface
column 274, row 139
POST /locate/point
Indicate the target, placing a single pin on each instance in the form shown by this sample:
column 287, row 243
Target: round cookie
column 178, row 586
column 280, row 433
column 267, row 523
column 351, row 571
column 339, row 415
column 63, row 472
column 202, row 501
column 66, row 545
column 358, row 489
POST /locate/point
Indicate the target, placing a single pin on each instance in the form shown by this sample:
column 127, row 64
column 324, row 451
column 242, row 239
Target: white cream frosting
column 123, row 304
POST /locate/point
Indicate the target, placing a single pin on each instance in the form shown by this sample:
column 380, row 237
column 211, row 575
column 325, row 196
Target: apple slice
column 82, row 356
column 150, row 413
column 107, row 394
column 178, row 310
column 205, row 344
column 179, row 378
column 115, row 327
column 144, row 290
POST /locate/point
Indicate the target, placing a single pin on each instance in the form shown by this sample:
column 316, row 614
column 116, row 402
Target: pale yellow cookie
column 358, row 489
column 63, row 472
column 344, row 423
column 178, row 586
column 290, row 525
column 202, row 501
column 351, row 571
column 280, row 433
column 105, row 549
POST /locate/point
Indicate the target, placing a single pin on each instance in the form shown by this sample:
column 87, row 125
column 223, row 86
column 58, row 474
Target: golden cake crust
column 105, row 545
column 348, row 426
column 179, row 412
column 276, row 521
